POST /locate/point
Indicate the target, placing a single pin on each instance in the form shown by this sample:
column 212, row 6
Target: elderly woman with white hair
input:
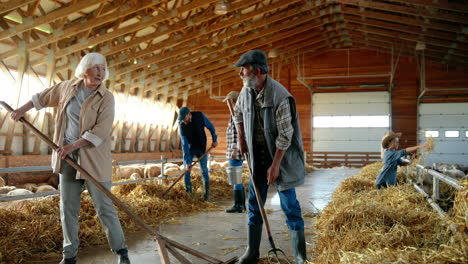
column 85, row 113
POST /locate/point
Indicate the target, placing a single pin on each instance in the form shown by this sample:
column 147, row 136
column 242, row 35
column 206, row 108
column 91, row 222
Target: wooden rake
column 165, row 244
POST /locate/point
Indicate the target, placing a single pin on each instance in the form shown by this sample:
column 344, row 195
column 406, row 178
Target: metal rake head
column 273, row 257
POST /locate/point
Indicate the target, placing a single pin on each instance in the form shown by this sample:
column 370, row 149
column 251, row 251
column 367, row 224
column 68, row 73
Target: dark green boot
column 298, row 246
column 206, row 188
column 188, row 187
column 238, row 206
column 253, row 250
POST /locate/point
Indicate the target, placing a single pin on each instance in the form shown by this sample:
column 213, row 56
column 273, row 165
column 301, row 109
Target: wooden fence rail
column 336, row 159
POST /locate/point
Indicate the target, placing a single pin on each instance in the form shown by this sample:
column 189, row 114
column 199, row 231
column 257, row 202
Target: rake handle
column 183, row 173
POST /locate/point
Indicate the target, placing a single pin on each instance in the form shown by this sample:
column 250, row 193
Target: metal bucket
column 234, row 175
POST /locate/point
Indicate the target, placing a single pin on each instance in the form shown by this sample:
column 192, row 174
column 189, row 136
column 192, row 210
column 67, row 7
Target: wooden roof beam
column 83, row 24
column 206, row 30
column 404, row 20
column 11, row 5
column 407, row 36
column 439, row 4
column 184, row 47
column 403, row 28
column 226, row 65
column 30, row 23
column 148, row 21
column 416, row 12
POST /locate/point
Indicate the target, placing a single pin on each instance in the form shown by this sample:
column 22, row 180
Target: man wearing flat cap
column 193, row 138
column 392, row 158
column 235, row 157
column 268, row 131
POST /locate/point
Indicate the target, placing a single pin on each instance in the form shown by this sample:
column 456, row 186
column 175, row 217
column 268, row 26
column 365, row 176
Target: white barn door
column 350, row 122
column 447, row 123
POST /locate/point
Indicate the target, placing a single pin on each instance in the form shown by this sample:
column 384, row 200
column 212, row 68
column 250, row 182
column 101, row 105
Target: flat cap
column 252, row 57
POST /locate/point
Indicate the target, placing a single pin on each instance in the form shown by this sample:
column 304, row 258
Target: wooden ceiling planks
column 179, row 46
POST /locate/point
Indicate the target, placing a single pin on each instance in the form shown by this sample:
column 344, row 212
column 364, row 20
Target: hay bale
column 152, row 170
column 214, row 165
column 45, row 188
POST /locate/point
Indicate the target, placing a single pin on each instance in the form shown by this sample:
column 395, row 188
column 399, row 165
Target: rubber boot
column 123, row 256
column 253, row 250
column 188, row 187
column 238, row 203
column 242, row 200
column 68, row 260
column 206, row 187
column 298, row 246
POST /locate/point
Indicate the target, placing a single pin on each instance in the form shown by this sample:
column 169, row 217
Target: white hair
column 88, row 61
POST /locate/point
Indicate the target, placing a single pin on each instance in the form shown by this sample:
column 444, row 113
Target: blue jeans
column 203, row 165
column 236, row 163
column 288, row 199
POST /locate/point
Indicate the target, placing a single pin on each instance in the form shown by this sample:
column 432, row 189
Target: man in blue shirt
column 193, row 137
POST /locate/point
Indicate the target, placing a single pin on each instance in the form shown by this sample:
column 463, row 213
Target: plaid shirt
column 231, row 135
column 282, row 119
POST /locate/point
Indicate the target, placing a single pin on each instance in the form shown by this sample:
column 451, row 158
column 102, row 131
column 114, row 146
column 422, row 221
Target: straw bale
column 152, row 170
column 309, row 168
column 45, row 188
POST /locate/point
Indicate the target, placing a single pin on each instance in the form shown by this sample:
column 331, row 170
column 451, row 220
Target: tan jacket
column 96, row 118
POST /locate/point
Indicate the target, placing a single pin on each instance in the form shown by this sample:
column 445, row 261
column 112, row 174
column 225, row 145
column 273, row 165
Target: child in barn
column 392, row 158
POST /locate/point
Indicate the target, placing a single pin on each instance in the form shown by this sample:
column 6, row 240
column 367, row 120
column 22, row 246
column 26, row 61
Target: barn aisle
column 223, row 235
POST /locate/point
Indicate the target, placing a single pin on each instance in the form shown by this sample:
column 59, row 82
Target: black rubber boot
column 206, row 187
column 242, row 200
column 298, row 246
column 68, row 261
column 253, row 250
column 238, row 206
column 188, row 187
column 123, row 256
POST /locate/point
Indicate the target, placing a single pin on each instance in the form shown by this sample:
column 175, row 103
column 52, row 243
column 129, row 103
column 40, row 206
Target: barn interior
column 356, row 69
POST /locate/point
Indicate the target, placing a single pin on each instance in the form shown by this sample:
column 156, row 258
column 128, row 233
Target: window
column 452, row 134
column 432, row 133
column 351, row 121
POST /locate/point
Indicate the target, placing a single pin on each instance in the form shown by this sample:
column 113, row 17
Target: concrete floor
column 223, row 236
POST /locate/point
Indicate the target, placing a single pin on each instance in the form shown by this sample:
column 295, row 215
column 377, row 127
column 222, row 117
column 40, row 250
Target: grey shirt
column 72, row 132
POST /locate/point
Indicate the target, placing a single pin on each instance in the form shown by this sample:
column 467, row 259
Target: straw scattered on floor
column 393, row 225
column 33, row 232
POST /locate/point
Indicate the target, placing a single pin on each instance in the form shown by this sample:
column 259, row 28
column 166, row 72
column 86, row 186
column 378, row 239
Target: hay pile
column 33, row 232
column 393, row 225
